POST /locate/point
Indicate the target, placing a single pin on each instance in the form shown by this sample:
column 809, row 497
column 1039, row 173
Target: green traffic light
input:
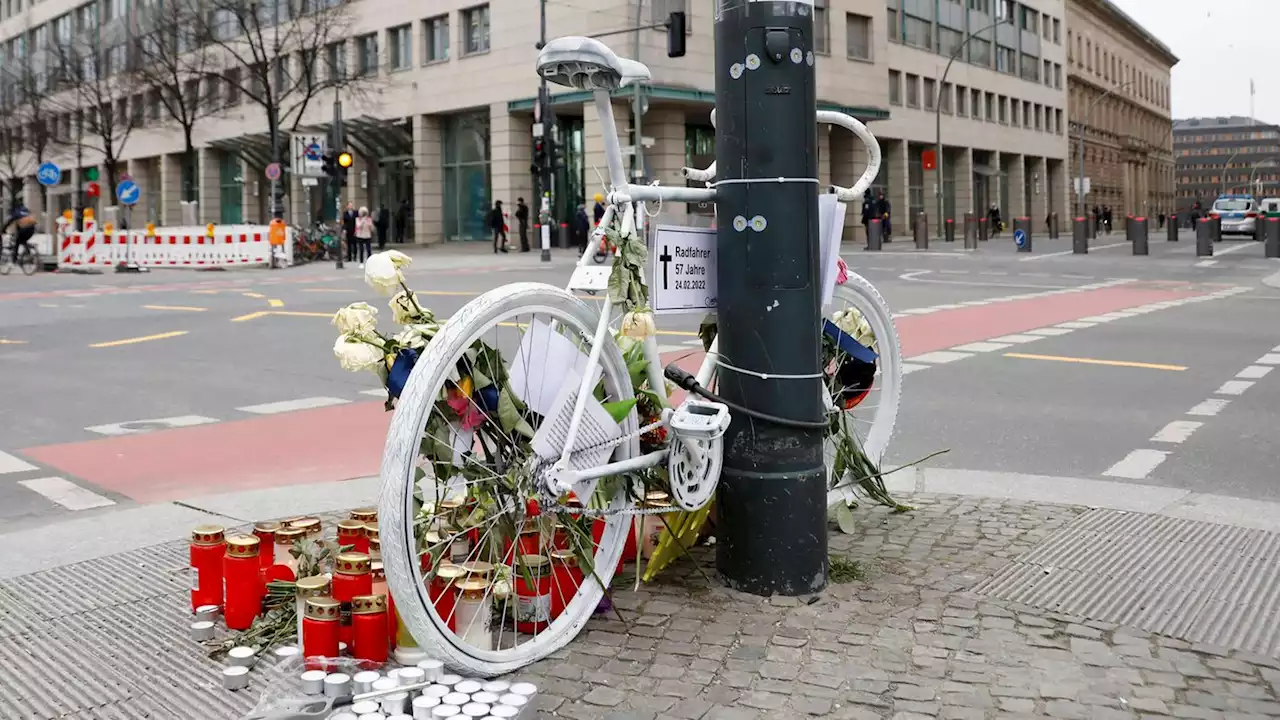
column 91, row 174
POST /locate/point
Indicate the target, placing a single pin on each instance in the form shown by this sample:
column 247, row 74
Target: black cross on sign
column 665, row 259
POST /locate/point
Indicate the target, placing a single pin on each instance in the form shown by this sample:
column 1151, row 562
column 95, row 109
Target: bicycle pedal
column 700, row 420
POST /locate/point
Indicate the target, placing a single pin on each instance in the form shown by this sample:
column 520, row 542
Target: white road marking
column 1137, row 464
column 1016, row 338
column 1234, row 387
column 1269, row 358
column 1070, row 252
column 1095, row 319
column 1209, row 407
column 293, row 405
column 1177, row 431
column 919, row 311
column 1237, row 248
column 376, row 392
column 1049, row 331
column 1206, row 263
column 908, row 368
column 939, row 357
column 981, row 347
column 123, row 428
column 1254, row 372
column 11, row 464
column 1075, row 325
column 66, row 493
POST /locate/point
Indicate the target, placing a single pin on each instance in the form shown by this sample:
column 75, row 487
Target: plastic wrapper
column 283, row 698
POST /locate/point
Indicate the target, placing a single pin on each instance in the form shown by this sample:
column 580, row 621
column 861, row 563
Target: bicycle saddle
column 587, row 64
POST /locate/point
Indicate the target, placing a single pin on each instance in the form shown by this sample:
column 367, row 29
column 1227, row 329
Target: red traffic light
column 93, row 190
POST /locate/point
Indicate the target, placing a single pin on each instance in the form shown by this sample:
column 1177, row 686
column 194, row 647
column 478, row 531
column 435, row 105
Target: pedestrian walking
column 498, row 224
column 868, row 212
column 381, row 225
column 349, row 230
column 522, row 219
column 581, row 227
column 1106, row 218
column 993, row 219
column 885, row 211
column 402, row 221
column 598, row 211
column 1160, row 219
column 364, row 235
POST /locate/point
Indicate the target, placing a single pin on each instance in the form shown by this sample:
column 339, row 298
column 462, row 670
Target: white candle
column 472, row 614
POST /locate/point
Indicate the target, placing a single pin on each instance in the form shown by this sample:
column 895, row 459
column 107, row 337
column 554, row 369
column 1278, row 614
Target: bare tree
column 97, row 78
column 173, row 69
column 280, row 55
column 27, row 117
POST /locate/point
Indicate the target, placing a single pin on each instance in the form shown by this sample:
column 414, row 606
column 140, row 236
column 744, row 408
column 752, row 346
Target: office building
column 1218, row 155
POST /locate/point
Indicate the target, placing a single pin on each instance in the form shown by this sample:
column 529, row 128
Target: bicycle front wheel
column 29, row 261
column 867, row 395
column 488, row 574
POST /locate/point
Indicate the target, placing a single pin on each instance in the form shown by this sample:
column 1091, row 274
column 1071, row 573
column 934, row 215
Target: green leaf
column 639, row 371
column 479, row 380
column 617, row 284
column 522, row 427
column 844, row 519
column 508, row 413
column 619, row 410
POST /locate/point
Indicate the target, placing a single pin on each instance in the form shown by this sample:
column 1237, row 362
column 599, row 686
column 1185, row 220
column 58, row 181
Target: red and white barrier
column 179, row 247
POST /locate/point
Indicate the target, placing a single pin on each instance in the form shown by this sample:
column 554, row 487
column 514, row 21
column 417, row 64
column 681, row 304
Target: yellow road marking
column 144, row 338
column 253, row 295
column 275, row 303
column 205, row 292
column 6, row 341
column 287, row 313
column 181, row 308
column 48, row 305
column 328, row 290
column 1094, row 361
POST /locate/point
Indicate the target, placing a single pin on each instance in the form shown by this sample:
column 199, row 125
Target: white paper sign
column 684, row 269
column 830, row 229
column 595, row 431
column 541, row 365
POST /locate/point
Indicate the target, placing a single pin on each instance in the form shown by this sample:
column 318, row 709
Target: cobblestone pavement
column 907, row 641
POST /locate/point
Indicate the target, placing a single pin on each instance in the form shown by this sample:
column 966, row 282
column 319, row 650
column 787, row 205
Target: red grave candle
column 352, row 576
column 208, row 544
column 320, row 631
column 443, row 594
column 369, row 634
column 566, row 578
column 533, row 593
column 266, row 534
column 351, row 534
column 242, row 575
column 370, row 533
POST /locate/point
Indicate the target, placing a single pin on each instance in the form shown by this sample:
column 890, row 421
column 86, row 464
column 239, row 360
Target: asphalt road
column 243, row 359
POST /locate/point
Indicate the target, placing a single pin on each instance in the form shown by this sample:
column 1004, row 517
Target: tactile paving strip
column 112, row 580
column 1193, row 580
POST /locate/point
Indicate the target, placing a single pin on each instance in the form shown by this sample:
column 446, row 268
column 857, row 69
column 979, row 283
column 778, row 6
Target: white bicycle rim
column 399, row 461
column 858, row 293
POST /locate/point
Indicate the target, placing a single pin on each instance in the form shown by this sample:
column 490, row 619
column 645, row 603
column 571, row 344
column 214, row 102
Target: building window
column 1044, row 26
column 367, row 54
column 1004, row 9
column 1026, row 114
column 114, row 9
column 1039, row 112
column 1030, row 68
column 1057, row 76
column 476, row 23
column 929, row 90
column 917, row 32
column 336, row 57
column 1006, row 60
column 962, row 100
column 989, row 111
column 895, row 87
column 233, row 87
column 1047, row 75
column 975, row 102
column 435, row 33
column 400, row 45
column 1030, row 19
column 821, row 28
column 1003, row 110
column 944, row 99
column 913, row 91
column 467, row 188
column 892, row 25
column 980, row 52
column 857, row 31
column 1057, row 120
column 949, row 41
column 1057, row 31
column 87, row 17
column 1014, row 106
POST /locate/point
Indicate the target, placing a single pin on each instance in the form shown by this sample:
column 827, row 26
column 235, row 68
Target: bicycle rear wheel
column 29, row 260
column 456, row 443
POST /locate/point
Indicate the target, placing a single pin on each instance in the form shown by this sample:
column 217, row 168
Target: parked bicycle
column 28, row 259
column 319, row 242
column 535, row 446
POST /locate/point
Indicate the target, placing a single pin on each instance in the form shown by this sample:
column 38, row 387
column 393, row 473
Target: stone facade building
column 1225, row 155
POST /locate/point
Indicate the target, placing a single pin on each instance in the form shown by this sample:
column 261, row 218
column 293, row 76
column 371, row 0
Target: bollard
column 1204, row 237
column 1272, row 237
column 1080, row 236
column 1093, row 227
column 1023, row 224
column 1136, row 228
column 921, row 231
column 1053, row 226
column 1259, row 228
column 950, row 227
column 970, row 231
column 983, row 230
column 1217, row 228
column 1172, row 228
column 873, row 234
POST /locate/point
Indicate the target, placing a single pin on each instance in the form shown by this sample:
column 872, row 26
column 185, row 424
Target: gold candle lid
column 350, row 527
column 367, row 604
column 477, row 567
column 564, row 556
column 536, row 564
column 243, row 546
column 323, row 608
column 472, row 588
column 378, row 571
column 310, row 525
column 448, row 573
column 269, row 527
column 290, row 521
column 452, row 504
column 365, row 514
column 433, row 537
column 314, row 586
column 352, row 563
column 290, row 535
column 371, row 529
column 208, row 535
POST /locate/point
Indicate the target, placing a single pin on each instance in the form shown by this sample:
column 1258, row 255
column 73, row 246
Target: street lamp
column 1222, row 188
column 1084, row 123
column 1266, row 162
column 937, row 108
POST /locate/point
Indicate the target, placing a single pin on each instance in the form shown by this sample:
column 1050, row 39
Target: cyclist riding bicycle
column 21, row 219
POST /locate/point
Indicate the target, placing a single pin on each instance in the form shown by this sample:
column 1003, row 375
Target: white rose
column 407, row 310
column 382, row 270
column 356, row 319
column 638, row 324
column 415, row 336
column 355, row 354
column 852, row 322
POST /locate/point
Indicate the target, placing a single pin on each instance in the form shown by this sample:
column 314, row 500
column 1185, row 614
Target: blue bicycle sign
column 49, row 174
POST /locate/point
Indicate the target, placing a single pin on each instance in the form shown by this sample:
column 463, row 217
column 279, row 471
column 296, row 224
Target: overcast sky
column 1220, row 45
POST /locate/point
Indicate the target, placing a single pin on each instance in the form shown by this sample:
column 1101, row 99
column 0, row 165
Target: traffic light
column 539, row 157
column 344, row 160
column 675, row 34
column 329, row 164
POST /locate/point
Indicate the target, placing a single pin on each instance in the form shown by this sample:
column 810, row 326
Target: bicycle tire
column 29, row 261
column 399, row 462
column 858, row 292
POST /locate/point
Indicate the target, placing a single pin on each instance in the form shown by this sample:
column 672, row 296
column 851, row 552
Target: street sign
column 128, row 193
column 273, row 171
column 1075, row 185
column 49, row 174
column 92, row 189
column 308, row 155
column 684, row 269
column 1020, row 238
